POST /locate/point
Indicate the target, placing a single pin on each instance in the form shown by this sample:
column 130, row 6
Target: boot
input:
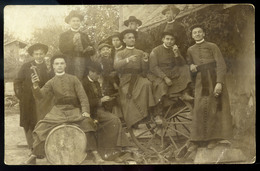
column 30, row 161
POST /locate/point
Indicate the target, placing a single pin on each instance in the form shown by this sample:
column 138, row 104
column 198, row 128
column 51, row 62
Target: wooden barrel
column 66, row 145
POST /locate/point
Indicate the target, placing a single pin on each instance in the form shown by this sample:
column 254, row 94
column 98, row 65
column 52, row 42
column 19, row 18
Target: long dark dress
column 211, row 117
column 135, row 108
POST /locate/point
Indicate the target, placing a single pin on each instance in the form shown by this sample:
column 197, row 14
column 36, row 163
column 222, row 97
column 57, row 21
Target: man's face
column 168, row 40
column 197, row 34
column 59, row 65
column 116, row 42
column 94, row 75
column 170, row 15
column 105, row 52
column 129, row 39
column 38, row 55
column 74, row 22
column 133, row 25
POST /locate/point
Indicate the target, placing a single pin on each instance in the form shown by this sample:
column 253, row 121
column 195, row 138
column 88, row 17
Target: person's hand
column 193, row 68
column 105, row 99
column 76, row 37
column 35, row 80
column 168, row 81
column 145, row 57
column 175, row 50
column 218, row 89
column 132, row 58
column 86, row 114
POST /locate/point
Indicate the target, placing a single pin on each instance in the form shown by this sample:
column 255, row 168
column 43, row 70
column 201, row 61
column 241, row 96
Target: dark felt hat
column 171, row 7
column 196, row 26
column 37, row 46
column 74, row 14
column 132, row 19
column 123, row 33
column 100, row 46
column 169, row 32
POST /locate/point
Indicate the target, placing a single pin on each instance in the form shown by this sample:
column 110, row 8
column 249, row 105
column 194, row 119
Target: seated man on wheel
column 168, row 71
column 71, row 106
column 111, row 137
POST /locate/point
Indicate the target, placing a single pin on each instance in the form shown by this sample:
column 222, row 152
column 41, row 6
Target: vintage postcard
column 129, row 84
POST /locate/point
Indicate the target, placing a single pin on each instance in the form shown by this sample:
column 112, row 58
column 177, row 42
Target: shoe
column 97, row 158
column 30, row 161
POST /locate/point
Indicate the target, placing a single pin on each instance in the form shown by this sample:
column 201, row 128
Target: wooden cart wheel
column 66, row 145
column 166, row 132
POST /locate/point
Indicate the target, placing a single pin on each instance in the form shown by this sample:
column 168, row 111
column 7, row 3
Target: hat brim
column 37, row 46
column 104, row 45
column 197, row 26
column 67, row 19
column 123, row 33
column 174, row 10
column 139, row 22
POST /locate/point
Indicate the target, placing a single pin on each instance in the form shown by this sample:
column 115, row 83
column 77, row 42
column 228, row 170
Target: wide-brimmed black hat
column 132, row 19
column 196, row 26
column 74, row 14
column 171, row 7
column 100, row 46
column 123, row 33
column 169, row 32
column 37, row 46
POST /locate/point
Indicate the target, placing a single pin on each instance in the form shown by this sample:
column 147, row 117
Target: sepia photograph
column 129, row 84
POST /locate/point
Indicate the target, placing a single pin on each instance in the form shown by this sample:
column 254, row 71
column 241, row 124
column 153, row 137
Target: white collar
column 200, row 41
column 169, row 22
column 75, row 30
column 59, row 74
column 128, row 47
column 165, row 46
column 38, row 62
column 90, row 79
column 119, row 47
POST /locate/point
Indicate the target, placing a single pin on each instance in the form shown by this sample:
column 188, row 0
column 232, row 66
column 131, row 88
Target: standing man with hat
column 143, row 41
column 135, row 91
column 211, row 117
column 170, row 73
column 171, row 12
column 23, row 88
column 76, row 45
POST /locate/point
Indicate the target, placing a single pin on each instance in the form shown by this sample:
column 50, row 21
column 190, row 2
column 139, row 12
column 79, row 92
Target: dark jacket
column 23, row 91
column 66, row 43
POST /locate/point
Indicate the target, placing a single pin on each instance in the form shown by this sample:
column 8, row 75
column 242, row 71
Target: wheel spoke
column 184, row 126
column 173, row 142
column 176, row 123
column 177, row 113
column 179, row 132
column 148, row 143
column 184, row 117
column 152, row 128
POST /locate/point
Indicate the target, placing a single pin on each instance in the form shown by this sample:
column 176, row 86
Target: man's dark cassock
column 144, row 42
column 76, row 59
column 211, row 117
column 135, row 107
column 70, row 102
column 31, row 110
column 163, row 63
column 110, row 135
column 179, row 32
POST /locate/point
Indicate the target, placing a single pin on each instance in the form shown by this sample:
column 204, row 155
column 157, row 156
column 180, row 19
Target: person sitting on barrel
column 71, row 106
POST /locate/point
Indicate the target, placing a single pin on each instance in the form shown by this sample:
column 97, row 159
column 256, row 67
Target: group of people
column 128, row 79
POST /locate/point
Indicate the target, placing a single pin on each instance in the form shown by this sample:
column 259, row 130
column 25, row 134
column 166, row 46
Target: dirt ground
column 16, row 150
